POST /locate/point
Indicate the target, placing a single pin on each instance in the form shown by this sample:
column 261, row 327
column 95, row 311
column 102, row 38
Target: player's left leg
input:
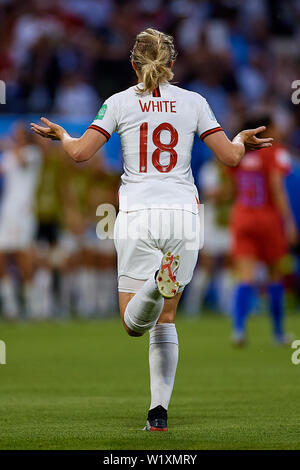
column 276, row 303
column 163, row 358
column 243, row 297
column 274, row 248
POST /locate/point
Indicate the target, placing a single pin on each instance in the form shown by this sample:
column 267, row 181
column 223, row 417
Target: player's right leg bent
column 137, row 263
column 165, row 286
column 152, row 263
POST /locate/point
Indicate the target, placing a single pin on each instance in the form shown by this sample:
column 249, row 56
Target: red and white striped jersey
column 157, row 133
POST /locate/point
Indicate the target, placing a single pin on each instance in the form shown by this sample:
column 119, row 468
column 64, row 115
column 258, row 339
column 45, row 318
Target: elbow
column 80, row 156
column 234, row 162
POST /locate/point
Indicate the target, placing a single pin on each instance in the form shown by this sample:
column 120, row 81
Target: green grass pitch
column 84, row 385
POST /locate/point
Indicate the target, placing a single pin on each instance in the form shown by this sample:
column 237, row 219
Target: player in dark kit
column 262, row 228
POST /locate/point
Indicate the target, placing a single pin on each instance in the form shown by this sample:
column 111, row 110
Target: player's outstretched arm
column 79, row 149
column 231, row 152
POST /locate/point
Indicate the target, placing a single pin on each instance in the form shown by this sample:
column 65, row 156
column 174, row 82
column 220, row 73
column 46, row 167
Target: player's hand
column 251, row 142
column 52, row 131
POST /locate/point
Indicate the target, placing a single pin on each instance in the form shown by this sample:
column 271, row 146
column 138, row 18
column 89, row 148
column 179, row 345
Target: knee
column 134, row 333
column 131, row 332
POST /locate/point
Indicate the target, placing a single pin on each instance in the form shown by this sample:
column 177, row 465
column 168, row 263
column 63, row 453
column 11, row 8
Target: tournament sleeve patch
column 101, row 112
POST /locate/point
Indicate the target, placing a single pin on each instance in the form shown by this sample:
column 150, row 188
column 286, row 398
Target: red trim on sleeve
column 99, row 129
column 211, row 131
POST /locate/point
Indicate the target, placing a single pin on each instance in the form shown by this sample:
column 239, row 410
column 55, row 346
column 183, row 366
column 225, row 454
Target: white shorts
column 142, row 237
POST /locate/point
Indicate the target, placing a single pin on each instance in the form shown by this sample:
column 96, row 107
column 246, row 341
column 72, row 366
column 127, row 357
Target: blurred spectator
column 76, row 98
column 20, row 166
column 63, row 55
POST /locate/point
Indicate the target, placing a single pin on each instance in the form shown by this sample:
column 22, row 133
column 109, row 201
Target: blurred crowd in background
column 63, row 58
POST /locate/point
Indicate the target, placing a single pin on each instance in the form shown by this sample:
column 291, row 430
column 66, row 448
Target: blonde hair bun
column 152, row 54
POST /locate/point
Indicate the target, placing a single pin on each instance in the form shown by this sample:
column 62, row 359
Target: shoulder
column 192, row 95
column 197, row 102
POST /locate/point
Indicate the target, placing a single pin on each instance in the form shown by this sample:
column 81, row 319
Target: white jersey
column 157, row 133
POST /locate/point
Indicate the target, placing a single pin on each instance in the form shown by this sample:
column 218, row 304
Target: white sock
column 144, row 308
column 163, row 358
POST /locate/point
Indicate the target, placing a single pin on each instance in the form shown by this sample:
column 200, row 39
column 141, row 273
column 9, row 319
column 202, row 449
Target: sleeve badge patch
column 101, row 112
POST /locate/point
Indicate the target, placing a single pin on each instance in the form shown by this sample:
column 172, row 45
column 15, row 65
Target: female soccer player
column 158, row 221
column 262, row 227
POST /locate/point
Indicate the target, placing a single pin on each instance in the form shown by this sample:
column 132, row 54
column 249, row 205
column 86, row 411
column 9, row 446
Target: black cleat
column 157, row 419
